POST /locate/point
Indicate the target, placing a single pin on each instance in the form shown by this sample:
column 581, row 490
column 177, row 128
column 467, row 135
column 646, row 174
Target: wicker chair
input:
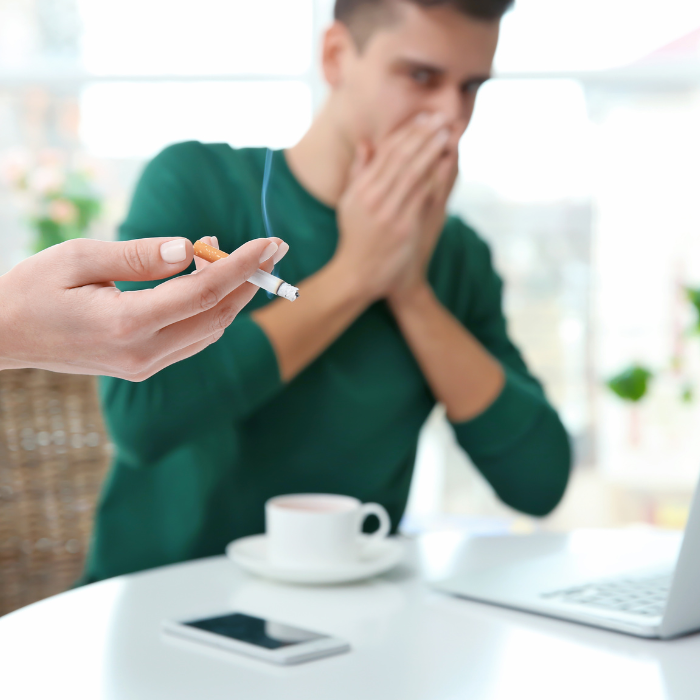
column 54, row 453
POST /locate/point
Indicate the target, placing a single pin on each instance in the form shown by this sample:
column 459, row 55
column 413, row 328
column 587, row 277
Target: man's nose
column 451, row 103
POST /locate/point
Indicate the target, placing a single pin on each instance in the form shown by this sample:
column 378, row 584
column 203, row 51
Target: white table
column 409, row 643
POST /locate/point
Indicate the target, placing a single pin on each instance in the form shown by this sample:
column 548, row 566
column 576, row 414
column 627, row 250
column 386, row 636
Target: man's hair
column 362, row 17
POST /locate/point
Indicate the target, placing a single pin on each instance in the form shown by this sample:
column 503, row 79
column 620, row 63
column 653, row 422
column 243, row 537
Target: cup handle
column 384, row 521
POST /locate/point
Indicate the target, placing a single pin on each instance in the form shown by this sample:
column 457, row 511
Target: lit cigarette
column 261, row 278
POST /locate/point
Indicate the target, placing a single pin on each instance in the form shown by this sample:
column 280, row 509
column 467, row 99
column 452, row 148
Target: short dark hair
column 363, row 16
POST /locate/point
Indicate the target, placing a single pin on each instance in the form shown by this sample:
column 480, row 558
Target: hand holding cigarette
column 208, row 249
column 60, row 309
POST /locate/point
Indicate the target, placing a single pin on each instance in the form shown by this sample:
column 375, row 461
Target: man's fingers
column 186, row 296
column 431, row 195
column 400, row 151
column 93, row 262
column 415, row 172
column 370, row 163
column 407, row 153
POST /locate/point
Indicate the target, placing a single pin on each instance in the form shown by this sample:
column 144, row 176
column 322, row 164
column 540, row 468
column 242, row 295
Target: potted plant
column 60, row 197
column 631, row 385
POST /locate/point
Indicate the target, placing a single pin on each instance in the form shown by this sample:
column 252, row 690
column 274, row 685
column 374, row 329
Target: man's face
column 428, row 60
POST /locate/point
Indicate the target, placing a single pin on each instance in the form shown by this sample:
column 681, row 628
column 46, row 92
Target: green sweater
column 203, row 444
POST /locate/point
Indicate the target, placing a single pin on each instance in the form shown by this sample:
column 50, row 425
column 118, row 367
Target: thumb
column 94, row 262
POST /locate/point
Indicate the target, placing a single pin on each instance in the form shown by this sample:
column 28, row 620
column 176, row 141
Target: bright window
column 136, row 120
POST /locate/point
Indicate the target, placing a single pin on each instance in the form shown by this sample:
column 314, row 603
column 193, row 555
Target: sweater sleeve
column 518, row 443
column 181, row 193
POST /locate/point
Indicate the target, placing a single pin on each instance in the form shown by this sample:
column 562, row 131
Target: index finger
column 189, row 295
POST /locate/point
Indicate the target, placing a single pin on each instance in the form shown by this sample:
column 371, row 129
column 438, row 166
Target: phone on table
column 262, row 639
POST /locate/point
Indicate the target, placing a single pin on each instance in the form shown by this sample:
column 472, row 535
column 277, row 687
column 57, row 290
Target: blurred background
column 581, row 168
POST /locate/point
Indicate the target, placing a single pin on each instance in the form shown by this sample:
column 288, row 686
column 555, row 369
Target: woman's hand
column 60, row 309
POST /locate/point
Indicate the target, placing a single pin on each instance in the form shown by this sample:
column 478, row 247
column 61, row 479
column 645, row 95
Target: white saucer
column 250, row 553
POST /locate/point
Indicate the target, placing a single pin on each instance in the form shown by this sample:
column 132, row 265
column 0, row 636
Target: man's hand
column 389, row 215
column 60, row 309
column 432, row 220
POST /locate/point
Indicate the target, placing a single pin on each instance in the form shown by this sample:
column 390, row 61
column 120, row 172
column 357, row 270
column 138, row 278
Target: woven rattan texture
column 54, row 453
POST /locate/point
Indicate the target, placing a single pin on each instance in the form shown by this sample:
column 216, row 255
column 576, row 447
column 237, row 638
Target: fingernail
column 269, row 251
column 174, row 251
column 281, row 252
column 215, row 241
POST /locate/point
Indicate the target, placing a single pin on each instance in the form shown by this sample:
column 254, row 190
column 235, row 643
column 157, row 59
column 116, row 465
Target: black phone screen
column 255, row 630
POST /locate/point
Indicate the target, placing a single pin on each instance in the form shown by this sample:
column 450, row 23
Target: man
column 399, row 308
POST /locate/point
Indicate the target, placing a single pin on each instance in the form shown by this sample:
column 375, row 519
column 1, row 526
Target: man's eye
column 423, row 77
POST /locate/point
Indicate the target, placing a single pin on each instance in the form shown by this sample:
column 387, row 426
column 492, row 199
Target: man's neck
column 321, row 161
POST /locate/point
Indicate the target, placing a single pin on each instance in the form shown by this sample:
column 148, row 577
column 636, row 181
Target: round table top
column 408, row 642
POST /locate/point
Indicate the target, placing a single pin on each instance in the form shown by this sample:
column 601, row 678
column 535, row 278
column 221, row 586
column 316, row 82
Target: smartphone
column 262, row 639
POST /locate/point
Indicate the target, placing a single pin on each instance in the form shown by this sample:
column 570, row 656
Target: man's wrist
column 416, row 299
column 348, row 283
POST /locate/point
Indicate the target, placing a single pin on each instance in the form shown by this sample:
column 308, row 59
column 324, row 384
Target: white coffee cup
column 319, row 530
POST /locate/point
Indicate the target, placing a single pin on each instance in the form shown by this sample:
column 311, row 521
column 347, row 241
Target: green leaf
column 49, row 233
column 631, row 384
column 88, row 210
column 687, row 393
column 694, row 298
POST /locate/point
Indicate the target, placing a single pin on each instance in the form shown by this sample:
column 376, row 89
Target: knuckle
column 222, row 321
column 135, row 363
column 137, row 257
column 128, row 371
column 123, row 327
column 74, row 247
column 142, row 376
column 72, row 252
column 208, row 298
column 130, row 375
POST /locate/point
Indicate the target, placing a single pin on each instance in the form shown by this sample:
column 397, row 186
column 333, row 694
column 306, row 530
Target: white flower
column 14, row 167
column 46, row 180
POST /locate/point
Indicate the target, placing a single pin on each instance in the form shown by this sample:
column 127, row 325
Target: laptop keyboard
column 640, row 596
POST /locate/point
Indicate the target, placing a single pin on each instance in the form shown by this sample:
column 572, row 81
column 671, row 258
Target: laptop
column 645, row 583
